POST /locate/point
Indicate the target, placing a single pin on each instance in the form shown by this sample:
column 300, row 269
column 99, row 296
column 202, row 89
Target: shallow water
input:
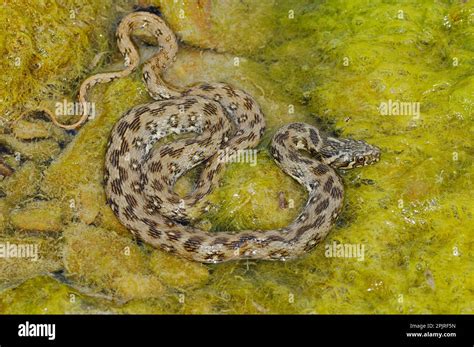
column 395, row 74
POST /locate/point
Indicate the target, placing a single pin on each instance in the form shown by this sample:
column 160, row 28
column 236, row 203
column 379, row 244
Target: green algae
column 127, row 272
column 122, row 264
column 22, row 185
column 246, row 191
column 46, row 47
column 330, row 64
column 38, row 151
column 37, row 216
column 46, row 258
column 45, row 295
column 25, row 130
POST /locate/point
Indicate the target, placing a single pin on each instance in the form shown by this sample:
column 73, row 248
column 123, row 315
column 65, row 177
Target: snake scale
column 140, row 177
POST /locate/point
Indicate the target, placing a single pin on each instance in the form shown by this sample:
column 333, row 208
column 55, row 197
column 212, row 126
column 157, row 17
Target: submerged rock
column 177, row 272
column 38, row 216
column 115, row 265
column 48, row 296
column 38, row 151
column 26, row 257
column 4, row 209
column 25, row 130
column 89, row 203
column 22, row 184
column 108, row 263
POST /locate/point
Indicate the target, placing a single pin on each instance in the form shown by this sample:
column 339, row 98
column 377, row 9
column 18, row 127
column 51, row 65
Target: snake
column 140, row 171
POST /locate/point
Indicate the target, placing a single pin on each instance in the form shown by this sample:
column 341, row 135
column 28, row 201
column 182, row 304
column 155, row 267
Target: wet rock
column 4, row 208
column 26, row 130
column 89, row 203
column 38, row 216
column 48, row 296
column 108, row 263
column 108, row 220
column 38, row 151
column 177, row 272
column 25, row 257
column 212, row 24
column 5, row 169
column 22, row 184
column 138, row 286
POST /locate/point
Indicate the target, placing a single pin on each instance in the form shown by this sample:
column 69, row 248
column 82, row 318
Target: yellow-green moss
column 115, row 265
column 4, row 209
column 212, row 23
column 37, row 216
column 37, row 151
column 247, row 190
column 25, row 130
column 44, row 295
column 120, row 260
column 22, row 184
column 166, row 266
column 43, row 257
column 47, row 47
column 88, row 203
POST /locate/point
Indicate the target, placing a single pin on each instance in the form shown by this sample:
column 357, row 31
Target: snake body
column 140, row 176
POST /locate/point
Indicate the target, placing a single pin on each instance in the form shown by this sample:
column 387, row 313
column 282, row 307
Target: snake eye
column 360, row 160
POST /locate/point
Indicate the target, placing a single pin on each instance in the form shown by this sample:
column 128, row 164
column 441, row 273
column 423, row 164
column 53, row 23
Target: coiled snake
column 139, row 177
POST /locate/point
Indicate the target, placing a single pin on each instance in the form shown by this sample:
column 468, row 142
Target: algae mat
column 396, row 74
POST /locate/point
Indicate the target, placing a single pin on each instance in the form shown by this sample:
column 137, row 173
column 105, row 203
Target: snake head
column 348, row 154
